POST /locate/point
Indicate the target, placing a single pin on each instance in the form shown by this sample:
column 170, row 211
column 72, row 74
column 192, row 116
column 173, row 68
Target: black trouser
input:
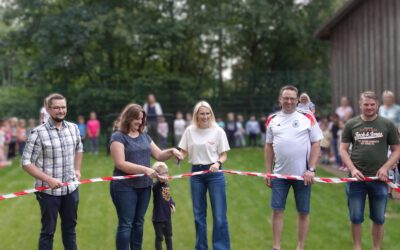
column 252, row 139
column 50, row 207
column 163, row 229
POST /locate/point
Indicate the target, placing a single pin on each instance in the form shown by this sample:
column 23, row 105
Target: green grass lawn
column 249, row 213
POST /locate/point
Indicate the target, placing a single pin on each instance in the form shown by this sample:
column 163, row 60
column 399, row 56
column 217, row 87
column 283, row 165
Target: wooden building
column 365, row 48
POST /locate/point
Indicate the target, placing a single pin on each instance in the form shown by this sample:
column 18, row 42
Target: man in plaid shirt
column 53, row 155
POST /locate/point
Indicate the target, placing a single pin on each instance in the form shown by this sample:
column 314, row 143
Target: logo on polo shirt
column 295, row 124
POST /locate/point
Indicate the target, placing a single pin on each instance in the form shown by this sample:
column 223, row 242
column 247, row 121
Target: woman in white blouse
column 206, row 144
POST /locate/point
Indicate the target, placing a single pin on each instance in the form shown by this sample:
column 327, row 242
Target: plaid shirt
column 53, row 150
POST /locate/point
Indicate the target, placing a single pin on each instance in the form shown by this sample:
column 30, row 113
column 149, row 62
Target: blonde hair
column 204, row 104
column 388, row 93
column 306, row 95
column 159, row 165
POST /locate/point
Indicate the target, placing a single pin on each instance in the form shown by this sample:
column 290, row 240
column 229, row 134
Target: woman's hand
column 173, row 209
column 178, row 155
column 215, row 167
column 150, row 172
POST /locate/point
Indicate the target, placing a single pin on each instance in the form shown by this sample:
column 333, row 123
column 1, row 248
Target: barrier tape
column 234, row 172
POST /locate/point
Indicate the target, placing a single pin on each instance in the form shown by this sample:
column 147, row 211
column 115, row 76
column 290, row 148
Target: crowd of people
column 14, row 134
column 294, row 141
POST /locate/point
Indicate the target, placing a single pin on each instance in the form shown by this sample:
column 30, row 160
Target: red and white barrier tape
column 113, row 178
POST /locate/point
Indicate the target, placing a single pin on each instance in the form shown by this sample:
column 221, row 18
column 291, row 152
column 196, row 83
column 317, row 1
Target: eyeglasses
column 289, row 99
column 59, row 108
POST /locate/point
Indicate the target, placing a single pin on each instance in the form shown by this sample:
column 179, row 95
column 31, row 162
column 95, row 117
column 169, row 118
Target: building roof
column 325, row 31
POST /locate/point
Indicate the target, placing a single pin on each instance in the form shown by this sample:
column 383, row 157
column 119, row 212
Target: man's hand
column 54, row 183
column 355, row 173
column 309, row 178
column 267, row 181
column 382, row 174
column 78, row 174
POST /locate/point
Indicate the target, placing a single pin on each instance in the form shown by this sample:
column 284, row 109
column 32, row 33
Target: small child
column 22, row 135
column 82, row 127
column 163, row 206
column 31, row 126
column 3, row 158
column 239, row 134
column 179, row 127
column 162, row 130
column 252, row 130
column 326, row 142
column 93, row 132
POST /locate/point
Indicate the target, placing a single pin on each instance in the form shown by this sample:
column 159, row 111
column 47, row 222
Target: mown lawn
column 248, row 211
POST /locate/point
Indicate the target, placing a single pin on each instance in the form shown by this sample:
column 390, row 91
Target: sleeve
column 33, row 149
column 148, row 138
column 315, row 133
column 398, row 117
column 183, row 144
column 145, row 107
column 159, row 109
column 393, row 138
column 347, row 136
column 118, row 137
column 223, row 144
column 269, row 137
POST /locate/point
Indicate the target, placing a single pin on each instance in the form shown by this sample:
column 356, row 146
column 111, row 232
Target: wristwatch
column 311, row 169
column 220, row 163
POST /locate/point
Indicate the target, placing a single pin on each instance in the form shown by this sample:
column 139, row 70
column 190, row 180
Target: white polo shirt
column 291, row 136
column 204, row 145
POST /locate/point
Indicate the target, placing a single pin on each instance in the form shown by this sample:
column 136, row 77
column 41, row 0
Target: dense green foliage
column 178, row 49
column 249, row 214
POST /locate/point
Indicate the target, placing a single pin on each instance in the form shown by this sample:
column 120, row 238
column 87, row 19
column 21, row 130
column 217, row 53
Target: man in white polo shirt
column 292, row 148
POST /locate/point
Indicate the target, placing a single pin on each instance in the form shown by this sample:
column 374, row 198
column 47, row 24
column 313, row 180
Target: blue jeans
column 377, row 196
column 131, row 205
column 50, row 207
column 216, row 185
column 280, row 190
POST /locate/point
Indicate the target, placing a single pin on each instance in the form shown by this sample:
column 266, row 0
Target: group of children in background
column 13, row 136
column 90, row 131
column 14, row 133
column 236, row 130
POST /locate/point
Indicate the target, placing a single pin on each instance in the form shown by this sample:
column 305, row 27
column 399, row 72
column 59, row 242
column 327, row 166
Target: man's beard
column 58, row 119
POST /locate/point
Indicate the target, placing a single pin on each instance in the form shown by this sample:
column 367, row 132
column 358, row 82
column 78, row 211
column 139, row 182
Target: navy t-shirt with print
column 162, row 202
column 137, row 150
